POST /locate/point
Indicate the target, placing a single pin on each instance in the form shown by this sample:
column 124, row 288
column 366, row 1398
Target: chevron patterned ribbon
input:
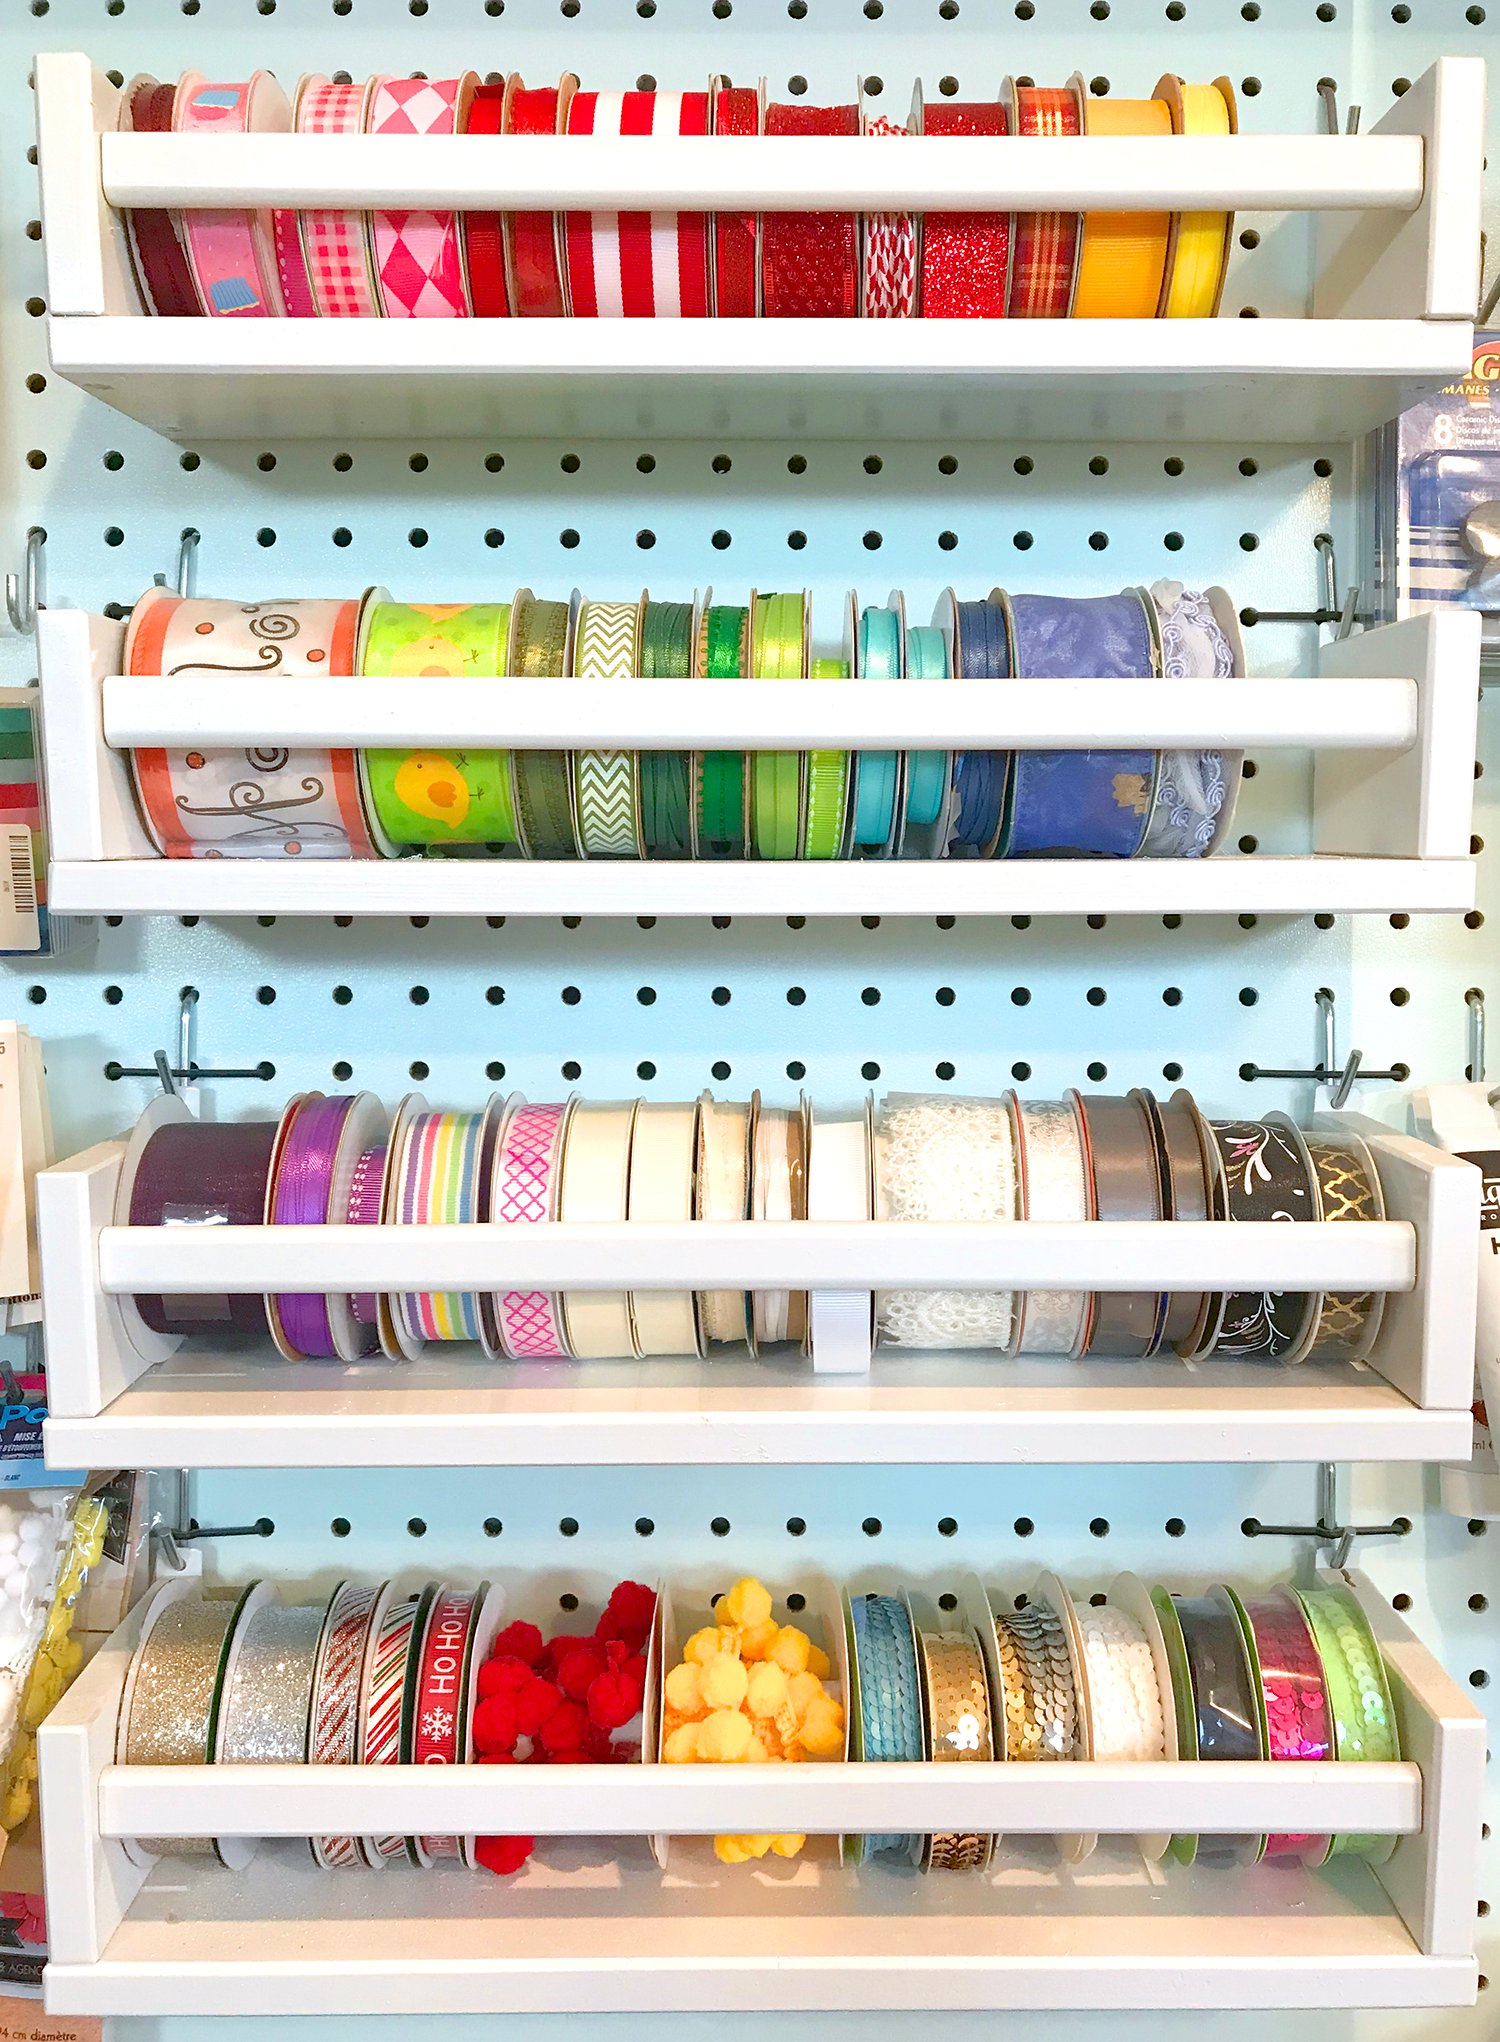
column 607, row 784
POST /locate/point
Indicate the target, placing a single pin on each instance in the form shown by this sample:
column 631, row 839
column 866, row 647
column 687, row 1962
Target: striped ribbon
column 385, row 1730
column 438, row 1177
column 352, row 1614
column 1046, row 244
column 637, row 265
column 890, row 276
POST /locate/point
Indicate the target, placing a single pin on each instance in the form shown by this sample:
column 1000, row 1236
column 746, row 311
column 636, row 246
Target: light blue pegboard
column 651, row 1012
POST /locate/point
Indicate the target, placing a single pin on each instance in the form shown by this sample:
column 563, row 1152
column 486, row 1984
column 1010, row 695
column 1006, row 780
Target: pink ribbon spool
column 234, row 254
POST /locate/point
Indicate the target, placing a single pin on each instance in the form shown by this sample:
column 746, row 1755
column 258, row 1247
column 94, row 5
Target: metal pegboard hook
column 24, row 592
column 1474, row 1000
column 1340, row 611
column 187, row 560
column 175, row 1528
column 1330, row 1529
column 1328, row 1071
column 187, row 1066
column 1328, row 92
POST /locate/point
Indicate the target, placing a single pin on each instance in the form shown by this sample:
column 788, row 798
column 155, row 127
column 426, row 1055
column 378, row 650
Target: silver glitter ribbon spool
column 263, row 1719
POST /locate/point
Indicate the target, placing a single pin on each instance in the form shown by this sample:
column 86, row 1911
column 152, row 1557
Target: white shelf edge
column 1259, row 885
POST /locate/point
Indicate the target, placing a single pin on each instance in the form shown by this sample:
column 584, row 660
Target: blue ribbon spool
column 980, row 778
column 1082, row 804
column 875, row 795
column 926, row 772
column 890, row 1700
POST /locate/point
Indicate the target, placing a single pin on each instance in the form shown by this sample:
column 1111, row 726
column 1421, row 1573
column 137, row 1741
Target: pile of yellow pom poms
column 750, row 1690
column 58, row 1658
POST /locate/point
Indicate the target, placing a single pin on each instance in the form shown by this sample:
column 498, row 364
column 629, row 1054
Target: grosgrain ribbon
column 723, row 1193
column 596, row 1186
column 668, row 651
column 1267, row 1175
column 637, row 265
column 1126, row 1185
column 440, row 1712
column 385, row 1737
column 1200, row 241
column 366, row 1208
column 1122, row 256
column 809, row 261
column 663, row 1159
column 439, row 1179
column 879, row 658
column 484, row 233
column 926, row 772
column 778, row 653
column 965, row 256
column 826, row 806
column 720, row 776
column 233, row 254
column 736, row 236
column 980, row 779
column 163, row 273
column 335, row 1728
column 890, row 1702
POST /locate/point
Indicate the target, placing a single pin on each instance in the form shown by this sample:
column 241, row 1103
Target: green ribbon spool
column 776, row 777
column 1359, row 1699
column 827, row 785
column 434, row 799
column 543, row 795
column 721, row 775
column 666, row 655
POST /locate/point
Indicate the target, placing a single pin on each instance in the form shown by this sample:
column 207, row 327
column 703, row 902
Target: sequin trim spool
column 1294, row 1697
column 958, row 1730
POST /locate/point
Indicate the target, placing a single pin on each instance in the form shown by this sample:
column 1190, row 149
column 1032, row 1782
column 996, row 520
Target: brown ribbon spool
column 193, row 1173
column 1122, row 1163
column 1182, row 1172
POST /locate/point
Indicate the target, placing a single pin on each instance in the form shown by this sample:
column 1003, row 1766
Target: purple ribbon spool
column 304, row 1182
column 196, row 1173
column 366, row 1201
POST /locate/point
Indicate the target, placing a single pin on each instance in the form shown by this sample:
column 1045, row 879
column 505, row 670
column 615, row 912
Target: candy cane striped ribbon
column 336, row 1690
column 638, row 265
column 890, row 250
column 385, row 1693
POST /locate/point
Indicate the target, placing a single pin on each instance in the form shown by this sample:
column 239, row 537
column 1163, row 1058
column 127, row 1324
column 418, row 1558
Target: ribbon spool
column 958, row 1730
column 607, row 785
column 1044, row 250
column 437, row 798
column 354, row 1616
column 441, row 1710
column 979, row 637
column 1268, row 1174
column 879, row 655
column 1079, row 804
column 637, row 265
column 887, row 1695
column 327, row 1168
column 1198, row 250
column 965, row 256
column 387, row 1703
column 888, row 276
column 810, row 261
column 826, row 801
column 1292, row 1693
column 1348, row 1188
column 169, row 1708
column 938, row 1157
column 723, row 1193
column 928, row 774
column 778, row 1191
column 663, row 1159
column 1122, row 256
column 335, row 248
column 1193, row 799
column 541, row 649
column 596, row 1186
column 1042, row 1716
column 840, row 1186
column 234, row 255
column 440, row 1163
column 264, row 1710
column 720, row 781
column 669, row 642
column 163, row 275
column 735, row 242
column 1052, row 1167
column 419, row 256
column 484, row 233
column 536, row 274
column 779, row 652
column 1225, row 1710
column 525, row 1185
column 1184, row 1168
column 1359, row 1696
column 265, row 801
column 1126, row 1186
column 181, row 1172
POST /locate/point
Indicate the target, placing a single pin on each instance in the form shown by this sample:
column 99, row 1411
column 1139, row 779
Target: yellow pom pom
column 802, row 1690
column 791, row 1649
column 723, row 1737
column 822, row 1731
column 723, row 1682
column 818, row 1662
column 757, row 1751
column 787, row 1846
column 730, row 1850
column 684, row 1691
column 704, row 1645
column 748, row 1602
column 681, row 1746
column 756, row 1640
column 766, row 1691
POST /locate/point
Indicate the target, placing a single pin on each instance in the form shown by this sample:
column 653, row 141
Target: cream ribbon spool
column 596, row 1186
column 1056, row 1187
column 663, row 1160
column 723, row 1193
column 1124, row 1698
column 777, row 1179
column 840, row 1186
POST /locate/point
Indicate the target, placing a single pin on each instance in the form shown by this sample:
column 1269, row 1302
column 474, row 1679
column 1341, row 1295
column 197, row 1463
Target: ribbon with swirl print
column 268, row 800
column 1194, row 791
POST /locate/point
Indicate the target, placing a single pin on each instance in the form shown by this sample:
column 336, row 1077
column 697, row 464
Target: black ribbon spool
column 1224, row 1702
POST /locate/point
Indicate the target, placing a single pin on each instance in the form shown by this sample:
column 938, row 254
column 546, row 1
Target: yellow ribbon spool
column 1200, row 241
column 1124, row 255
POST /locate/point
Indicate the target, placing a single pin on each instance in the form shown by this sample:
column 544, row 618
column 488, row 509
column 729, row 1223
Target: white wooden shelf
column 575, row 1934
column 1392, row 306
column 138, row 1400
column 1390, row 718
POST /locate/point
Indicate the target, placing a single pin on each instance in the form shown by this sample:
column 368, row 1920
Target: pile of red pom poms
column 559, row 1703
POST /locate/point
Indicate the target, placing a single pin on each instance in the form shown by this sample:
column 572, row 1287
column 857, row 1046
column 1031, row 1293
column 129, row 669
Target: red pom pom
column 518, row 1641
column 503, row 1854
column 559, row 1647
column 628, row 1612
column 496, row 1758
column 579, row 1669
column 569, row 1758
column 495, row 1726
column 502, row 1676
column 565, row 1729
column 534, row 1704
column 615, row 1697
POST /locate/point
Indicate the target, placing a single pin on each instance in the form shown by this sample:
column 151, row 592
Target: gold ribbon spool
column 958, row 1729
column 173, row 1696
column 1198, row 254
column 1124, row 255
column 541, row 781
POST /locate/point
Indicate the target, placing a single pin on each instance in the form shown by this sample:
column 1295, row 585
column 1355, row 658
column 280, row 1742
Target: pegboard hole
column 1099, row 1526
column 872, row 1527
column 1171, row 1072
column 1479, row 1604
column 796, row 996
column 568, row 1526
column 1248, row 996
column 1479, row 1678
column 947, row 1602
column 417, row 1526
column 796, row 1526
column 1096, row 996
column 1175, row 1527
column 1023, row 542
column 1020, row 1072
column 1401, row 1602
column 1098, row 1073
column 947, row 1527
column 1020, row 996
column 796, row 1603
column 1023, row 1527
column 493, row 1527
column 340, row 1527
column 721, row 1070
column 1250, row 238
